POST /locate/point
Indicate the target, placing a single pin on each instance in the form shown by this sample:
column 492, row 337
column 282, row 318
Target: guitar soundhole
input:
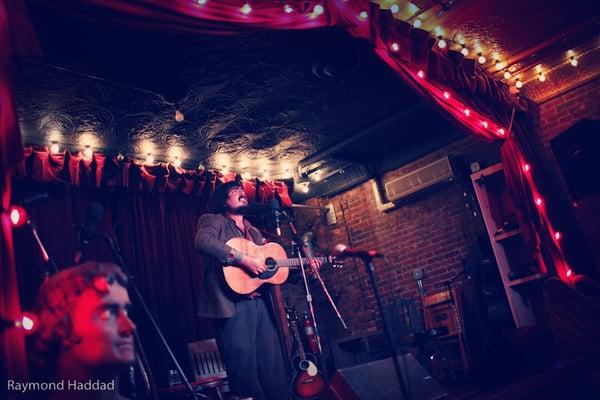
column 271, row 269
column 271, row 264
column 303, row 365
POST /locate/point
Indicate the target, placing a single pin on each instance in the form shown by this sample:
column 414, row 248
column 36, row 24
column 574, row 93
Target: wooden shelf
column 494, row 169
column 507, row 235
column 528, row 278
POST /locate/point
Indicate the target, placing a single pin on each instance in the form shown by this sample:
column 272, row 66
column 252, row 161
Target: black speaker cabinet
column 377, row 381
column 577, row 151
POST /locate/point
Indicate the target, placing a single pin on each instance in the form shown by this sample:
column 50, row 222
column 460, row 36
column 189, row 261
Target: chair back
column 205, row 360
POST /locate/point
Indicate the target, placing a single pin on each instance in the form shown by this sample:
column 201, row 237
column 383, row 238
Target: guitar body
column 241, row 281
column 308, row 382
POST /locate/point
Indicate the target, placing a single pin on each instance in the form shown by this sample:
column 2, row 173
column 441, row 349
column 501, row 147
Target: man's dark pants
column 250, row 347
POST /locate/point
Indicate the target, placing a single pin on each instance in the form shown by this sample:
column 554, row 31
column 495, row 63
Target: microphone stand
column 298, row 249
column 297, row 246
column 116, row 251
column 386, row 326
column 50, row 265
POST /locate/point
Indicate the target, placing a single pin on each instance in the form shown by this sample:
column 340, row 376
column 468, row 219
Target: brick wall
column 433, row 232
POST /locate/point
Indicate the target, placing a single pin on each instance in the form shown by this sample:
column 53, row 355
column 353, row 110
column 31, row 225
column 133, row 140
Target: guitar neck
column 296, row 333
column 295, row 262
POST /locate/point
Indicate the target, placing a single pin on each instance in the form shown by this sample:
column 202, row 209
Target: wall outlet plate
column 331, row 217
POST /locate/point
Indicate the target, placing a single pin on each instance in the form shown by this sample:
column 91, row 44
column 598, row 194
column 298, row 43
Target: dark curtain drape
column 156, row 234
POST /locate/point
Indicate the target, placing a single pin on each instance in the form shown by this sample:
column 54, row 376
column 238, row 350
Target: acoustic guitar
column 276, row 261
column 308, row 382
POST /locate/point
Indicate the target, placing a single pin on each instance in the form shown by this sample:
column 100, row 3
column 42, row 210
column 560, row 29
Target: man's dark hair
column 220, row 195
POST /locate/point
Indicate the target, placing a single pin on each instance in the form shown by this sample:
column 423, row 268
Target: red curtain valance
column 102, row 171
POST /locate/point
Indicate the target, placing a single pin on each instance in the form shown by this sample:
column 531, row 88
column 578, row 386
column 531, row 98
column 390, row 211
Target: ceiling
column 526, row 37
column 261, row 103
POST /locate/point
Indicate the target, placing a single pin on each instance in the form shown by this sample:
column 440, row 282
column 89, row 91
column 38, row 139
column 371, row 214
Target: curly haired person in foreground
column 85, row 337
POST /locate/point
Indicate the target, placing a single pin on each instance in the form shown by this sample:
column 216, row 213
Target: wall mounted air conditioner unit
column 420, row 181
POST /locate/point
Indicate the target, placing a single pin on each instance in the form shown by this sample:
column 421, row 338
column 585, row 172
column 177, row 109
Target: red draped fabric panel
column 16, row 38
column 108, row 172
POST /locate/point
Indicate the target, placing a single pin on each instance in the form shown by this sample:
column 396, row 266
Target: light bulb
column 526, row 168
column 417, row 23
column 447, row 95
column 438, row 31
column 318, row 10
column 246, row 9
column 464, row 51
column 499, row 65
column 202, row 2
column 507, row 75
column 394, row 8
column 542, row 77
column 573, row 61
column 179, row 117
column 55, row 148
column 467, row 112
column 519, row 84
column 288, row 9
column 557, row 235
column 120, row 156
column 395, row 47
column 485, row 124
column 412, row 9
column 481, row 59
column 501, row 131
column 363, row 15
column 421, row 74
column 442, row 44
column 305, row 188
column 538, row 201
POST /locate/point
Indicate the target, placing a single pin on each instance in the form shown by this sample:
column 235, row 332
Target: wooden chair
column 208, row 367
column 444, row 310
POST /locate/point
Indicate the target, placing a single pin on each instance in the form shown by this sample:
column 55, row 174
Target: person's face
column 236, row 200
column 104, row 327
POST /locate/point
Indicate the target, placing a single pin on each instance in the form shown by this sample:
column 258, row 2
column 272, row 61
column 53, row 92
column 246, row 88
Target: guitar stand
column 301, row 249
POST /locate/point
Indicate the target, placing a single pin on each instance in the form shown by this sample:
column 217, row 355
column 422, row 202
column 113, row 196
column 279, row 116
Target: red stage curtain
column 155, row 232
column 100, row 171
column 16, row 38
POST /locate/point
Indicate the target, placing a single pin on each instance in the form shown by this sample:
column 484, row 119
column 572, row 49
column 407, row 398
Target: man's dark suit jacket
column 216, row 299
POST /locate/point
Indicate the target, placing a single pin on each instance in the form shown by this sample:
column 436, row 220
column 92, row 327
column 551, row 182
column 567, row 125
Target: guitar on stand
column 308, row 382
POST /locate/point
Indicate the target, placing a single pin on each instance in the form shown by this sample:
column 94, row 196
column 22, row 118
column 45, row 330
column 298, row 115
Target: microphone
column 275, row 208
column 89, row 229
column 341, row 250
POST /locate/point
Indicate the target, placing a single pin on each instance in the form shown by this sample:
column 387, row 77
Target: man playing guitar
column 245, row 326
